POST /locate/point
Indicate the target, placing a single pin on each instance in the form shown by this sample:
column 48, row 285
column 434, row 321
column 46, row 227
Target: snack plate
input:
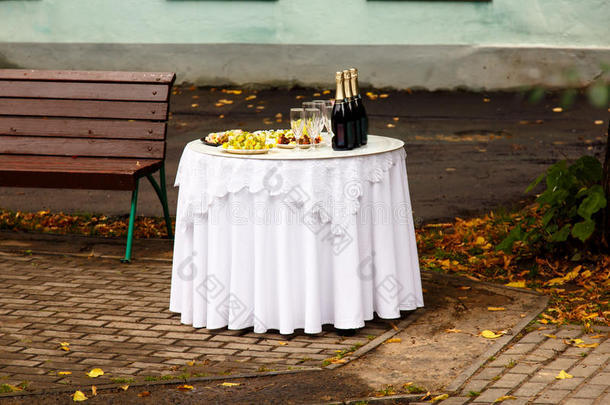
column 246, row 151
column 209, row 143
column 286, row 146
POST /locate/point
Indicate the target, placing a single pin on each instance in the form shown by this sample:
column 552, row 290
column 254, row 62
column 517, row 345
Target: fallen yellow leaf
column 194, row 105
column 96, row 372
column 124, row 387
column 452, row 330
column 144, row 394
column 598, row 122
column 550, row 336
column 326, row 92
column 384, row 95
column 486, row 100
column 251, row 97
column 504, row 398
column 282, row 343
column 230, row 384
column 480, row 240
column 563, row 375
column 557, row 109
column 93, row 390
column 597, row 336
column 394, row 340
column 496, row 309
column 465, row 287
column 185, row 387
column 439, row 398
column 79, row 396
column 518, row 284
column 64, row 372
column 391, row 125
column 487, row 334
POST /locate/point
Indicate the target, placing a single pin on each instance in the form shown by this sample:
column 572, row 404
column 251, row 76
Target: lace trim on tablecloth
column 322, row 184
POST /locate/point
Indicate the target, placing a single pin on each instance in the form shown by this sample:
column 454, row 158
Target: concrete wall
column 499, row 44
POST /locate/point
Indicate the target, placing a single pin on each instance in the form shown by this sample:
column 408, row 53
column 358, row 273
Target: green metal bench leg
column 132, row 218
column 162, row 194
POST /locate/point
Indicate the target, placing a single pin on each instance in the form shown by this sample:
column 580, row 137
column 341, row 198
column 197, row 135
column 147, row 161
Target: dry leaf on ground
column 79, row 396
column 563, row 375
column 96, row 372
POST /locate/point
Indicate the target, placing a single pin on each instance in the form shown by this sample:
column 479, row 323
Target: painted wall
column 536, row 22
column 426, row 44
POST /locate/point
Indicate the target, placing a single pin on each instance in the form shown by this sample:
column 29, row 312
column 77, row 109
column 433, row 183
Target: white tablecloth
column 280, row 242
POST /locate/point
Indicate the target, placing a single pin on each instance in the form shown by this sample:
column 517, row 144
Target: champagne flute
column 313, row 118
column 297, row 122
column 325, row 107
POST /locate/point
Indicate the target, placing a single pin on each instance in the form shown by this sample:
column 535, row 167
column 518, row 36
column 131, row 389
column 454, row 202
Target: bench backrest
column 80, row 113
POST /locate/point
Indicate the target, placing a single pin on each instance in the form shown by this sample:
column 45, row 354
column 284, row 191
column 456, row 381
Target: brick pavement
column 526, row 371
column 116, row 317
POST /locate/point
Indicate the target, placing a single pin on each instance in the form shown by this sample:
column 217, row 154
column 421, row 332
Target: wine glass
column 313, row 119
column 297, row 123
column 326, row 109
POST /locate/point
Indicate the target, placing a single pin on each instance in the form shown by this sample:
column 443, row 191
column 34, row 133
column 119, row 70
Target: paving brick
column 536, row 336
column 475, row 386
column 551, row 396
column 540, row 355
column 107, row 338
column 579, row 401
column 568, row 333
column 525, row 368
column 562, row 363
column 530, row 389
column 544, row 375
column 505, row 359
column 242, row 346
column 490, row 395
column 287, row 349
column 214, row 350
column 520, row 348
column 594, row 359
column 455, row 401
column 603, row 378
column 188, row 336
column 553, row 344
column 489, row 372
column 104, row 362
column 568, row 383
column 509, row 380
column 23, row 370
column 173, row 328
column 18, row 362
column 265, row 354
column 583, row 370
column 84, row 322
column 143, row 333
column 235, row 339
column 148, row 340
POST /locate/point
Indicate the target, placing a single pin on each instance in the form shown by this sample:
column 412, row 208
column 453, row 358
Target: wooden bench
column 85, row 130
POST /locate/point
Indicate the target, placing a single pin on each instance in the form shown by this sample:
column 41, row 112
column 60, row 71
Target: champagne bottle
column 361, row 112
column 338, row 118
column 352, row 113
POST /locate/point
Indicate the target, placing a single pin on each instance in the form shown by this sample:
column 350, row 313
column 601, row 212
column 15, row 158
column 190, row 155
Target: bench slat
column 17, row 145
column 83, row 108
column 84, row 128
column 80, row 173
column 88, row 76
column 86, row 91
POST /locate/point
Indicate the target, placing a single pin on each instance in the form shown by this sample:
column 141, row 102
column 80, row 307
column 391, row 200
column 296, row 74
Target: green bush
column 569, row 206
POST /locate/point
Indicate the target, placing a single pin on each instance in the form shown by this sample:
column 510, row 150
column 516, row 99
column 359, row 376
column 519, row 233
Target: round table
column 294, row 239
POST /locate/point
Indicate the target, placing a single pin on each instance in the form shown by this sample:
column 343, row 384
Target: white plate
column 285, row 146
column 247, row 151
